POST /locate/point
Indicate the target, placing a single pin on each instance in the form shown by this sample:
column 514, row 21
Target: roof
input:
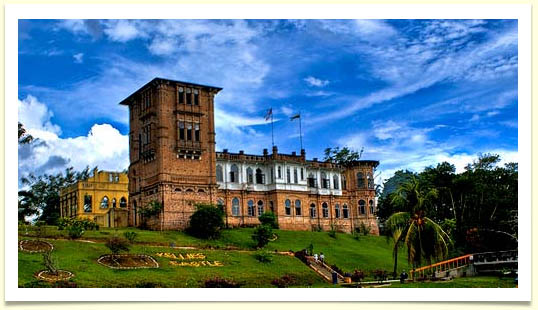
column 158, row 79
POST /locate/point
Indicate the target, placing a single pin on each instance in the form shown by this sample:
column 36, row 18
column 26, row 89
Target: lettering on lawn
column 189, row 260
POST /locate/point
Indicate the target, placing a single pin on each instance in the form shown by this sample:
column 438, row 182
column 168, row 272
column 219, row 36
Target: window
column 336, row 183
column 312, row 210
column 325, row 209
column 260, row 177
column 295, row 177
column 360, row 180
column 371, row 207
column 287, row 204
column 87, row 203
column 180, row 95
column 271, row 206
column 197, row 132
column 297, row 207
column 324, row 180
column 219, row 174
column 345, row 211
column 302, row 174
column 181, row 129
column 272, row 176
column 288, row 175
column 116, row 178
column 344, row 183
column 251, row 208
column 311, row 180
column 260, row 207
column 189, row 96
column 189, row 131
column 370, row 181
column 235, row 206
column 110, row 177
column 104, row 202
column 123, row 202
column 220, row 204
column 196, row 97
column 250, row 176
column 234, row 173
column 362, row 206
column 279, row 172
column 337, row 211
column 114, row 203
column 146, row 134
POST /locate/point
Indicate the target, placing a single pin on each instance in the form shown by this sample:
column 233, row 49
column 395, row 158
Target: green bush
column 262, row 235
column 130, row 235
column 117, row 244
column 206, row 222
column 264, row 256
column 284, row 281
column 364, row 229
column 269, row 218
column 220, row 283
column 75, row 231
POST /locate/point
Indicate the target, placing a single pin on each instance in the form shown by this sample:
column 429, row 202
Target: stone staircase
column 323, row 270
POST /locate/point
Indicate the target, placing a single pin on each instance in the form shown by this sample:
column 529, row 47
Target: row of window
column 259, row 207
column 188, row 96
column 104, row 203
column 369, row 180
column 188, row 131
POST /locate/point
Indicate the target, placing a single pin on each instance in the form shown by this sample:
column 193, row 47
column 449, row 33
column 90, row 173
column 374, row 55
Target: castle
column 173, row 161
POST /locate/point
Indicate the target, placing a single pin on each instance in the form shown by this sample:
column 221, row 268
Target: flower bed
column 35, row 246
column 62, row 275
column 127, row 261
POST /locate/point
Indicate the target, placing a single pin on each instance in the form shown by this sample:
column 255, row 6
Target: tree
column 269, row 218
column 24, row 137
column 262, row 235
column 343, row 156
column 116, row 245
column 424, row 238
column 206, row 222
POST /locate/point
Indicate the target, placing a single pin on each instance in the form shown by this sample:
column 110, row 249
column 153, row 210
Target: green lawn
column 479, row 281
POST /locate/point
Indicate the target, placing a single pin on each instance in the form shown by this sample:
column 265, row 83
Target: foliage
column 284, row 281
column 24, row 137
column 43, row 194
column 51, row 264
column 269, row 218
column 337, row 269
column 332, row 232
column 358, row 276
column 206, row 222
column 262, row 235
column 153, row 208
column 117, row 244
column 343, row 156
column 380, row 275
column 85, row 224
column 221, row 283
column 130, row 235
column 263, row 256
column 364, row 229
column 310, row 249
column 75, row 231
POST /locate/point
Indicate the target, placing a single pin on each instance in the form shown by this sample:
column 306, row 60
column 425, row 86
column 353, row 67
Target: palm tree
column 425, row 239
column 24, row 137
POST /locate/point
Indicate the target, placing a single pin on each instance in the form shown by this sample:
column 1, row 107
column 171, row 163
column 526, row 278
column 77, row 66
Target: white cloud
column 78, row 58
column 287, row 111
column 122, row 30
column 312, row 81
column 103, row 146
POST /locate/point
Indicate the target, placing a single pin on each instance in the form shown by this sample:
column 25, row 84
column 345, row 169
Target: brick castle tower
column 171, row 151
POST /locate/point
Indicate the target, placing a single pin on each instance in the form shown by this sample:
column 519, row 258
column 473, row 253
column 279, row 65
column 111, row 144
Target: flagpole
column 272, row 129
column 300, row 132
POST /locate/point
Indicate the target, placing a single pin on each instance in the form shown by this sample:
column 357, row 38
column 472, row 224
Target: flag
column 269, row 114
column 296, row 116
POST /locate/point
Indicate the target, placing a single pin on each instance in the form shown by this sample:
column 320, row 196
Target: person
column 403, row 277
column 316, row 257
column 322, row 257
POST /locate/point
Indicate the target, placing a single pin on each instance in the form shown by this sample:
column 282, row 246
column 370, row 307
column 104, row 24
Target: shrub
column 364, row 229
column 284, row 281
column 220, row 283
column 380, row 275
column 261, row 235
column 301, row 255
column 206, row 222
column 130, row 235
column 310, row 250
column 264, row 256
column 332, row 232
column 117, row 244
column 337, row 269
column 317, row 228
column 358, row 276
column 75, row 231
column 269, row 218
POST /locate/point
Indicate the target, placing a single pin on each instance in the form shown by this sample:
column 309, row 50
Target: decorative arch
column 337, row 211
column 260, row 207
column 345, row 211
column 250, row 176
column 234, row 174
column 298, row 210
column 235, row 206
column 104, row 202
column 250, row 205
column 220, row 176
column 325, row 209
column 287, row 207
column 312, row 210
column 123, row 202
column 362, row 207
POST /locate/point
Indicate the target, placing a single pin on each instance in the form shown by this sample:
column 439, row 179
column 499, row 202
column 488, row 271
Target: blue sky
column 412, row 93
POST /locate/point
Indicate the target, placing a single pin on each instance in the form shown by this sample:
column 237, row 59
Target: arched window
column 87, row 206
column 123, row 202
column 220, row 204
column 219, row 174
column 260, row 177
column 337, row 211
column 371, row 207
column 279, row 172
column 295, row 177
column 324, row 180
column 312, row 210
column 260, row 207
column 325, row 209
column 311, row 180
column 250, row 175
column 298, row 207
column 104, row 202
column 336, row 183
column 251, row 208
column 344, row 182
column 114, row 203
column 287, row 204
column 362, row 206
column 235, row 206
column 345, row 211
column 288, row 175
column 360, row 180
column 370, row 181
column 234, row 174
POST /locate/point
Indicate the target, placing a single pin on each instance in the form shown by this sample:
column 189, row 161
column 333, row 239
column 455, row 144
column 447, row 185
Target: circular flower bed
column 35, row 246
column 127, row 261
column 61, row 275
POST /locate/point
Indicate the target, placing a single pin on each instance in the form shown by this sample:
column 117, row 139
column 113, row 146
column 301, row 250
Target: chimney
column 315, row 159
column 294, row 153
column 303, row 152
column 265, row 152
column 225, row 151
column 275, row 150
column 241, row 152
